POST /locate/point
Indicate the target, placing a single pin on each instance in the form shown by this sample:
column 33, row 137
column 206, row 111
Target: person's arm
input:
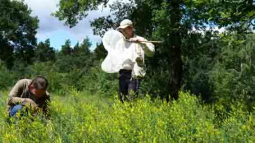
column 148, row 48
column 15, row 93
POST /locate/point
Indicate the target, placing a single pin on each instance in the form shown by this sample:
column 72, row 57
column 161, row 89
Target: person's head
column 126, row 28
column 38, row 86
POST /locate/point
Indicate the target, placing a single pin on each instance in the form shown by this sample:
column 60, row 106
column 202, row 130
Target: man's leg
column 124, row 79
column 133, row 87
column 15, row 109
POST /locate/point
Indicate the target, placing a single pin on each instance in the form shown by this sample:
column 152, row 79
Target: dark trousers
column 128, row 86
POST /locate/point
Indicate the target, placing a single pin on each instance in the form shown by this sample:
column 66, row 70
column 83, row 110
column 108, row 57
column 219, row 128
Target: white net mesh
column 112, row 41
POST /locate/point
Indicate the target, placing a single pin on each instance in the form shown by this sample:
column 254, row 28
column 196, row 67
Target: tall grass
column 80, row 117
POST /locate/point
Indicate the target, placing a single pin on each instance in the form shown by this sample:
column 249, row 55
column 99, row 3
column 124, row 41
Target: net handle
column 156, row 42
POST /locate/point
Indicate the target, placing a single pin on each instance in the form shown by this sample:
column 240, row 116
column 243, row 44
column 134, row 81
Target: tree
column 233, row 75
column 84, row 47
column 71, row 11
column 236, row 15
column 76, row 48
column 66, row 48
column 82, row 57
column 199, row 61
column 100, row 53
column 77, row 58
column 17, row 32
column 44, row 52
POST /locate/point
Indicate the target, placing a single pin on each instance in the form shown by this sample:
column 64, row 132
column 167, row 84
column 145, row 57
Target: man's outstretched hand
column 137, row 39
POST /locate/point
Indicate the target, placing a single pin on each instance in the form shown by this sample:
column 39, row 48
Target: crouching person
column 29, row 95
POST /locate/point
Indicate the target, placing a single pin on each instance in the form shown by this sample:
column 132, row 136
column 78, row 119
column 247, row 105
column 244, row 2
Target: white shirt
column 124, row 56
column 133, row 51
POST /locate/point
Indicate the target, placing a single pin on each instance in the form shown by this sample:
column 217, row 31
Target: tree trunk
column 175, row 48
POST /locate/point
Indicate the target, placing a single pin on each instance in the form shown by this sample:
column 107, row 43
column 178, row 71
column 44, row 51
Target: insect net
column 113, row 42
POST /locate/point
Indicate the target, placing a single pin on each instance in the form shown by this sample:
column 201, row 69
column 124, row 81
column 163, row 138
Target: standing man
column 28, row 93
column 132, row 68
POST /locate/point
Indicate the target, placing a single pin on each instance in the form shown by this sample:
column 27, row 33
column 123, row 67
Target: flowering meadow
column 81, row 118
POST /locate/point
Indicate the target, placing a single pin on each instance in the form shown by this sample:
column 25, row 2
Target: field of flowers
column 80, row 117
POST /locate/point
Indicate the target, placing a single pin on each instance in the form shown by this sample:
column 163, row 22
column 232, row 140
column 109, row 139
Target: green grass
column 80, row 117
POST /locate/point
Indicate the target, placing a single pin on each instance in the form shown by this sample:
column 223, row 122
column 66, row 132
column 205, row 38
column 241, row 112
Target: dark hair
column 40, row 83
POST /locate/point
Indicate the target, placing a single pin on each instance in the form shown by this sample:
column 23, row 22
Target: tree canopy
column 18, row 30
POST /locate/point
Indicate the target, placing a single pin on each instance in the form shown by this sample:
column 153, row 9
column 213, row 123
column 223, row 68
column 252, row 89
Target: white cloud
column 49, row 24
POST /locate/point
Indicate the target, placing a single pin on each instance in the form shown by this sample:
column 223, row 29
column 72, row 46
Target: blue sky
column 50, row 27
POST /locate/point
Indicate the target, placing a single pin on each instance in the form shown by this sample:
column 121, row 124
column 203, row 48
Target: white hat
column 125, row 23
